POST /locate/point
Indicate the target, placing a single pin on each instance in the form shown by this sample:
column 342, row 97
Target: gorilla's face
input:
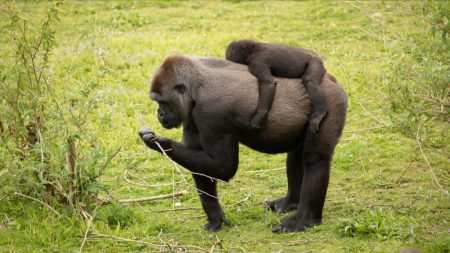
column 171, row 93
column 172, row 106
column 167, row 116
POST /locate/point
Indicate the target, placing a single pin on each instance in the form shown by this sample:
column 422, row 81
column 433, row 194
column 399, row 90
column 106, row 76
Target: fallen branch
column 164, row 196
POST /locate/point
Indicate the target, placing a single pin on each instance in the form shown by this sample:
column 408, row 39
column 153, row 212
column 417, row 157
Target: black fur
column 265, row 60
column 211, row 110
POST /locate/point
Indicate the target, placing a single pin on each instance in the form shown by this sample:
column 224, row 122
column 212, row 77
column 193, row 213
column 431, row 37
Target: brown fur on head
column 175, row 70
column 174, row 87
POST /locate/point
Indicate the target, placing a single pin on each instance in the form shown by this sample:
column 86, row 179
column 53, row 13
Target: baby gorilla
column 265, row 60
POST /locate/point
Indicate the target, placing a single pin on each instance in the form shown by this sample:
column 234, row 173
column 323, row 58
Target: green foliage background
column 392, row 58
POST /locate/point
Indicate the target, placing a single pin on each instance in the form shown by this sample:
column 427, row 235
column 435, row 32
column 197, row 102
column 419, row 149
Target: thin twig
column 379, row 120
column 192, row 218
column 144, row 184
column 240, row 201
column 260, row 171
column 294, row 243
column 426, row 160
column 365, row 129
column 37, row 200
column 175, row 165
column 405, row 169
column 172, row 209
column 89, row 221
column 126, row 239
column 133, row 182
column 117, row 238
column 145, row 199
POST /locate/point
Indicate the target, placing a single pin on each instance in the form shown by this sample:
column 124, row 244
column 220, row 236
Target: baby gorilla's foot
column 258, row 121
column 316, row 118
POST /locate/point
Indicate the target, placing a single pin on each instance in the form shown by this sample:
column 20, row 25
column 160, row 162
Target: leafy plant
column 47, row 149
column 379, row 223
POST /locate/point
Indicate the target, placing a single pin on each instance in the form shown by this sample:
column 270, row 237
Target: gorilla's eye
column 180, row 88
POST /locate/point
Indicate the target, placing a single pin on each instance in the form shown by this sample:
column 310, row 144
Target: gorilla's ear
column 180, row 88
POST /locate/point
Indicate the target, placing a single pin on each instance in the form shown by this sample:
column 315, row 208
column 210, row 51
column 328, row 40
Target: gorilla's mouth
column 170, row 124
column 167, row 125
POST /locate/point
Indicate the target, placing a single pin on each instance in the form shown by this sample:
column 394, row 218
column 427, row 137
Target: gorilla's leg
column 317, row 155
column 294, row 171
column 207, row 190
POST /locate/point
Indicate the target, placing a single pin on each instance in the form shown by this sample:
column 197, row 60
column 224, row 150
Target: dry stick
column 379, row 120
column 176, row 209
column 177, row 168
column 426, row 160
column 126, row 239
column 89, row 220
column 260, row 171
column 365, row 129
column 141, row 242
column 144, row 184
column 164, row 152
column 145, row 199
column 37, row 200
column 294, row 243
column 132, row 182
column 405, row 169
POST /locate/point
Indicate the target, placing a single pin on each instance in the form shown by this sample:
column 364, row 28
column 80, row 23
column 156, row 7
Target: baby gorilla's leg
column 312, row 78
column 266, row 96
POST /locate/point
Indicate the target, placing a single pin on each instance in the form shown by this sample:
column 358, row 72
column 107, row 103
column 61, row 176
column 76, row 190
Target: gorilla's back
column 231, row 89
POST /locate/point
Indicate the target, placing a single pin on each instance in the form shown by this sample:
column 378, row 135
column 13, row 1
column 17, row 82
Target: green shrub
column 47, row 151
column 419, row 83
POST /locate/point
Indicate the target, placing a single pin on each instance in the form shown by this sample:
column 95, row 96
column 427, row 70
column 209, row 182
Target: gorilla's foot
column 281, row 205
column 216, row 225
column 315, row 119
column 258, row 120
column 293, row 224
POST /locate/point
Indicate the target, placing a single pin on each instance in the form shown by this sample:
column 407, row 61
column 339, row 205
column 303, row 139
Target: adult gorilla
column 214, row 100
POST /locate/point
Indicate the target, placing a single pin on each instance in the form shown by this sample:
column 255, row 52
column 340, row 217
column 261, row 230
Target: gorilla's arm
column 218, row 157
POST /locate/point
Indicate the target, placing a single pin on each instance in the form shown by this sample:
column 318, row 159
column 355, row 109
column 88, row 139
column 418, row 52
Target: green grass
column 381, row 196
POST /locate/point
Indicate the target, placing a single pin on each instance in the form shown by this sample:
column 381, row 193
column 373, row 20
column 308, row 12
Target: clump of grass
column 378, row 223
column 116, row 215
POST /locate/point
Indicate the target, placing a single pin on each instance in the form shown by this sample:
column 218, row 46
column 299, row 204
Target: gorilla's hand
column 152, row 140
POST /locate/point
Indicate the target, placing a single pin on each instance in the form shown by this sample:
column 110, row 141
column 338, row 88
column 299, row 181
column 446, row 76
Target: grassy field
column 382, row 196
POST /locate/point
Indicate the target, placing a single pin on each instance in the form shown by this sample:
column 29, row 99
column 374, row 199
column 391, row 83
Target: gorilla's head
column 239, row 51
column 172, row 87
